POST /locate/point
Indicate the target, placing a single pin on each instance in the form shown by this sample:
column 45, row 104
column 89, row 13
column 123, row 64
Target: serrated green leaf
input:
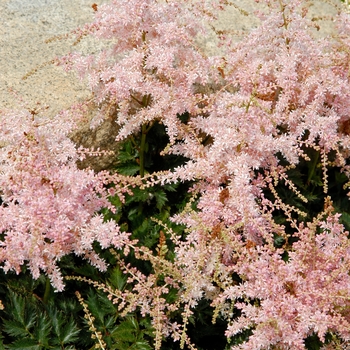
column 17, row 307
column 171, row 187
column 126, row 331
column 117, row 278
column 127, row 153
column 95, row 308
column 129, row 169
column 69, row 333
column 124, row 157
column 106, row 304
column 14, row 329
column 23, row 317
column 1, row 342
column 345, row 220
column 133, row 213
column 316, row 181
column 138, row 196
column 65, row 331
column 279, row 241
column 340, row 177
column 161, row 199
column 115, row 200
column 42, row 330
column 24, row 344
column 109, row 323
column 108, row 215
column 140, row 345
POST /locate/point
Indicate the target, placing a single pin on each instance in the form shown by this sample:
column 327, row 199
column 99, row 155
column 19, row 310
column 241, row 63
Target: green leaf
column 170, row 187
column 279, row 241
column 340, row 177
column 313, row 342
column 109, row 322
column 115, row 200
column 161, row 198
column 316, row 180
column 140, row 345
column 138, row 196
column 14, row 328
column 22, row 319
column 24, row 344
column 65, row 331
column 117, row 278
column 95, row 307
column 126, row 331
column 1, row 342
column 129, row 169
column 42, row 330
column 345, row 220
column 17, row 307
column 69, row 333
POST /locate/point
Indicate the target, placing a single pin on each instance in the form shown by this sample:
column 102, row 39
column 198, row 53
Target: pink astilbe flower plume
column 291, row 93
column 48, row 204
column 306, row 295
column 151, row 64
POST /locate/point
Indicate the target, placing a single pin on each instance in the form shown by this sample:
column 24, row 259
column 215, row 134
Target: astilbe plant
column 280, row 93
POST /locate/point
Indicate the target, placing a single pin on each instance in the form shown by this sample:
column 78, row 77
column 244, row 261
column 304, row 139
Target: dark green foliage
column 65, row 330
column 117, row 279
column 118, row 332
column 27, row 323
column 313, row 342
column 157, row 139
column 159, row 202
column 203, row 332
column 129, row 335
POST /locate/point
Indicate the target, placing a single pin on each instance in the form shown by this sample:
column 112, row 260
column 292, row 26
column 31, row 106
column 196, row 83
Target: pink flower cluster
column 48, row 204
column 278, row 92
column 151, row 50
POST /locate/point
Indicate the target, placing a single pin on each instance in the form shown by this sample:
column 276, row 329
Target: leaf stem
column 142, row 149
column 312, row 168
column 47, row 291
